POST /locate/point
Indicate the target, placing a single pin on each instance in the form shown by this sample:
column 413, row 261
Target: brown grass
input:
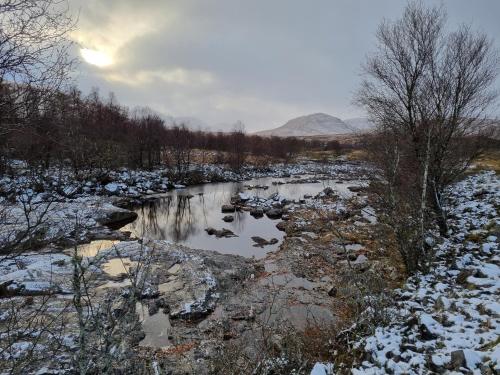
column 357, row 155
column 490, row 160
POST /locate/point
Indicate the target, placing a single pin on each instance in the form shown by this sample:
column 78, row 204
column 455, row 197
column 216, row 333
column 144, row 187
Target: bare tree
column 237, row 146
column 180, row 144
column 429, row 92
column 34, row 46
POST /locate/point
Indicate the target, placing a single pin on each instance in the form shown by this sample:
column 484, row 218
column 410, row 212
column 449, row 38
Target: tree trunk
column 440, row 213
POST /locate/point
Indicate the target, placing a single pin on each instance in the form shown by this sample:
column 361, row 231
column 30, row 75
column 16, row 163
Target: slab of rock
column 114, row 216
column 228, row 218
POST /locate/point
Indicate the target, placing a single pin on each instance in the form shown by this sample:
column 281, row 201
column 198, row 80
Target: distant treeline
column 87, row 132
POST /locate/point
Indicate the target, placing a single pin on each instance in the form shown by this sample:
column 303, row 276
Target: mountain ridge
column 318, row 124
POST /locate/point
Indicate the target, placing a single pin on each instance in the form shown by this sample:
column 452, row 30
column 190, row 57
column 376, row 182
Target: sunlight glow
column 95, row 57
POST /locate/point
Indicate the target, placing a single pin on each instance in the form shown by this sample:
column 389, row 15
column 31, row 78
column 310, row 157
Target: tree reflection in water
column 169, row 218
column 182, row 216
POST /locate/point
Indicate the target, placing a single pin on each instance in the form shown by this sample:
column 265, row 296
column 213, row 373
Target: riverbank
column 181, row 310
column 195, row 304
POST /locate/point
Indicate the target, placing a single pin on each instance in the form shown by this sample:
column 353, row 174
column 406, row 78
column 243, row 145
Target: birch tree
column 429, row 92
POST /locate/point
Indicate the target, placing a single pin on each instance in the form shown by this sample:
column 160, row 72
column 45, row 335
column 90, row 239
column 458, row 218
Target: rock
column 257, row 212
column 117, row 217
column 457, row 359
column 328, row 191
column 235, row 199
column 281, row 226
column 153, row 308
column 410, row 347
column 210, row 231
column 274, row 213
column 228, row 208
column 112, row 188
column 355, row 189
column 220, row 233
column 261, row 242
column 228, row 218
column 463, row 275
column 332, row 291
column 243, row 313
column 360, row 259
column 243, row 197
column 425, row 333
column 226, row 233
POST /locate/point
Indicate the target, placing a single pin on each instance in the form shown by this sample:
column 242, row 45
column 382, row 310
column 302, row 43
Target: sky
column 262, row 62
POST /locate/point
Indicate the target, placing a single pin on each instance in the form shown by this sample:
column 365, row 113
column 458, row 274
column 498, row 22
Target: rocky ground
column 193, row 301
column 448, row 321
column 137, row 184
column 203, row 312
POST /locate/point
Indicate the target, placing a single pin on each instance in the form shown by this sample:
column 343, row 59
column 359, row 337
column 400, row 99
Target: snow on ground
column 33, row 273
column 53, row 218
column 134, row 183
column 448, row 321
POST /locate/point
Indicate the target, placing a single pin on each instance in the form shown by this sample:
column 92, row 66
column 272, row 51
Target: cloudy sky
column 259, row 61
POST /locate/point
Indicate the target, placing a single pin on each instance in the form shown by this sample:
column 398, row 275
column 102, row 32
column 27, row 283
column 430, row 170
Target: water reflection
column 91, row 249
column 182, row 215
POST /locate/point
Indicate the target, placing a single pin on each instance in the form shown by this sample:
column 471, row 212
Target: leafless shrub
column 429, row 93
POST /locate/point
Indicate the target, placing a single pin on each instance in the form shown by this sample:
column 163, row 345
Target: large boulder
column 113, row 216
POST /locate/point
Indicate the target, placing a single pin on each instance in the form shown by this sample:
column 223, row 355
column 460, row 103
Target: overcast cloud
column 259, row 61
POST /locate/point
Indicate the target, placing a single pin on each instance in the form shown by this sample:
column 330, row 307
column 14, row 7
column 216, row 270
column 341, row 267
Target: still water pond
column 177, row 218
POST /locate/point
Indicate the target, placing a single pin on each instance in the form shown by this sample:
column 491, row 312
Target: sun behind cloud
column 95, row 57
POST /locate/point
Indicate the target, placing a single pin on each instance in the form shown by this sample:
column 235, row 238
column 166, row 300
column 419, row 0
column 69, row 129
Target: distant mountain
column 317, row 124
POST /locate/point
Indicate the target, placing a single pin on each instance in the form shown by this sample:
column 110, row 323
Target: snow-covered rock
column 449, row 320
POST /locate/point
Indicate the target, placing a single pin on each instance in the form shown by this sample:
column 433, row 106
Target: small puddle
column 92, row 249
column 156, row 327
column 118, row 266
